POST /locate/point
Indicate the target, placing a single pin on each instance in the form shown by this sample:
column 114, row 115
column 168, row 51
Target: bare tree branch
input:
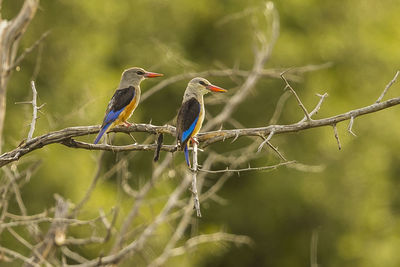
column 207, row 138
column 17, row 255
column 10, row 35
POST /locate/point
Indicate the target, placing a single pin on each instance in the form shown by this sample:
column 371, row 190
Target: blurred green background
column 353, row 204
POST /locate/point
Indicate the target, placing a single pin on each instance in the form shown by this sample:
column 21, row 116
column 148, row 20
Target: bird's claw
column 194, row 141
column 127, row 124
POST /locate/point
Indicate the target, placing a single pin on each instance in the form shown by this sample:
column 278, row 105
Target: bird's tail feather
column 187, row 155
column 101, row 133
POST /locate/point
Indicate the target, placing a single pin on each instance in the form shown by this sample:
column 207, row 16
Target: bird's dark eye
column 202, row 83
column 139, row 72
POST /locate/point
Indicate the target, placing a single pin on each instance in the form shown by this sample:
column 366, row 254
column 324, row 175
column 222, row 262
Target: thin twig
column 387, row 87
column 46, row 220
column 318, row 106
column 194, row 180
column 296, row 96
column 350, row 128
column 276, row 151
column 29, row 50
column 335, row 131
column 35, row 109
column 17, row 255
column 27, row 244
column 266, row 140
column 250, row 168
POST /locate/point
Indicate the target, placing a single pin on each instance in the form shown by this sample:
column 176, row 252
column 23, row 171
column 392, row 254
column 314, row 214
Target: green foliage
column 353, row 203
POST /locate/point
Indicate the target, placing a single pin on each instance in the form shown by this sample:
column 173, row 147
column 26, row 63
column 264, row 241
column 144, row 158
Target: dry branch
column 139, row 199
column 146, row 233
column 64, row 136
column 216, row 136
column 10, row 35
column 227, row 72
column 217, row 237
column 55, row 235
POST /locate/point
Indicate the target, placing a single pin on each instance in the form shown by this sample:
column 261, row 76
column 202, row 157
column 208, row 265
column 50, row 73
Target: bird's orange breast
column 127, row 112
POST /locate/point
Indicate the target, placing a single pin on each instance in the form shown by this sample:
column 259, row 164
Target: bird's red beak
column 215, row 88
column 152, row 75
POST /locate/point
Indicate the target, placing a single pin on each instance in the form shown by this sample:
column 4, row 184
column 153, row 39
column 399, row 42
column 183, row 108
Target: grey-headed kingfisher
column 191, row 114
column 125, row 99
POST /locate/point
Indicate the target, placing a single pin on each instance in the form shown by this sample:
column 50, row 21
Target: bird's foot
column 127, row 124
column 194, row 140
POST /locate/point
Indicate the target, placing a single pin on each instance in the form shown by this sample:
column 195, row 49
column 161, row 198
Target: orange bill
column 152, row 74
column 215, row 88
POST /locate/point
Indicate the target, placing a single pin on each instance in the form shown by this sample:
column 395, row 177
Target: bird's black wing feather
column 120, row 99
column 187, row 115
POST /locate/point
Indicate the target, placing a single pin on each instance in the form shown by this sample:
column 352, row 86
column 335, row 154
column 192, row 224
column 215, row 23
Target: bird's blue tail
column 187, row 155
column 101, row 133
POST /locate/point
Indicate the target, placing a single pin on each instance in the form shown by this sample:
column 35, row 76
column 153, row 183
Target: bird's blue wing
column 186, row 134
column 111, row 116
column 120, row 99
column 187, row 119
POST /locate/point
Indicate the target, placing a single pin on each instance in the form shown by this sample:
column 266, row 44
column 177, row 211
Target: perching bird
column 125, row 99
column 191, row 114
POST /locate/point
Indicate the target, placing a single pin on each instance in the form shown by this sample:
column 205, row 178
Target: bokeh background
column 353, row 204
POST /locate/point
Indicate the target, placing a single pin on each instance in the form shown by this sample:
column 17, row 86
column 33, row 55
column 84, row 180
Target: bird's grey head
column 199, row 86
column 133, row 76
